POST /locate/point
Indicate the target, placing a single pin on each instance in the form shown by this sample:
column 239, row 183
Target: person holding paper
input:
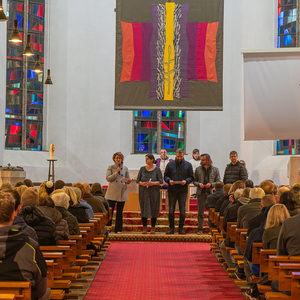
column 117, row 188
column 178, row 174
column 149, row 179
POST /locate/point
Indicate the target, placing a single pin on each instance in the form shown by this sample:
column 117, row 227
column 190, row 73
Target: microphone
column 120, row 168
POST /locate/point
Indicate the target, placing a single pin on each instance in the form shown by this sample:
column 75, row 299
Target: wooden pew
column 264, row 259
column 243, row 240
column 7, row 296
column 228, row 229
column 211, row 214
column 285, row 275
column 238, row 234
column 55, row 293
column 220, row 226
column 22, row 289
column 275, row 260
column 216, row 221
column 287, row 283
column 232, row 233
column 295, row 285
column 66, row 250
column 256, row 247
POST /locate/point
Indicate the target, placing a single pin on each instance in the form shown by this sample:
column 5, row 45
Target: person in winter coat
column 97, row 191
column 18, row 221
column 61, row 201
column 21, row 258
column 46, row 204
column 34, row 217
column 235, row 170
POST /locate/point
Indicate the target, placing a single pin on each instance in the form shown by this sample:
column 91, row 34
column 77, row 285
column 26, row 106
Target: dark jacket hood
column 52, row 213
column 32, row 215
column 12, row 238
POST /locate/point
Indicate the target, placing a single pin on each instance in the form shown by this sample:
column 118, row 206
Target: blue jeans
column 173, row 197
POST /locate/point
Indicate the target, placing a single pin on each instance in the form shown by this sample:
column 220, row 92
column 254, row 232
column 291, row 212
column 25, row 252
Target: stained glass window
column 14, row 78
column 287, row 17
column 145, row 131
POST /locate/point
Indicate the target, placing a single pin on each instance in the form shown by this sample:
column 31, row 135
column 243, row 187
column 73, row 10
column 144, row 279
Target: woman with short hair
column 117, row 188
column 149, row 179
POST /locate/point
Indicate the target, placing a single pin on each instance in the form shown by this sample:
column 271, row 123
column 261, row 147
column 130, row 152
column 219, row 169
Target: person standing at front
column 149, row 180
column 117, row 188
column 206, row 175
column 178, row 174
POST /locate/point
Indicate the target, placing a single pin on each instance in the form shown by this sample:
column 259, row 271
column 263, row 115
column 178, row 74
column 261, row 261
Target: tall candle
column 52, row 150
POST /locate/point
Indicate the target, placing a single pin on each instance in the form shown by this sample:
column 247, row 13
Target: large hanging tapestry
column 169, row 55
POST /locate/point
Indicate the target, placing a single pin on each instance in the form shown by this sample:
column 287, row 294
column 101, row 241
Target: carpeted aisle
column 161, row 271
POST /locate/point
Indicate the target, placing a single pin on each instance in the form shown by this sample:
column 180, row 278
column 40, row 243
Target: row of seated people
column 266, row 215
column 54, row 215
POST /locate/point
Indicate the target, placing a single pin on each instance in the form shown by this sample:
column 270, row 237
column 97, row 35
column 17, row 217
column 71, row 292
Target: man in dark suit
column 178, row 174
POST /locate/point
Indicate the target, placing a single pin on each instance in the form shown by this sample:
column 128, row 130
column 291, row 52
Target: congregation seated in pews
column 46, row 251
column 258, row 243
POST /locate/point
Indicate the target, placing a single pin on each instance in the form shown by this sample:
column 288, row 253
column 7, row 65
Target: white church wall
column 87, row 131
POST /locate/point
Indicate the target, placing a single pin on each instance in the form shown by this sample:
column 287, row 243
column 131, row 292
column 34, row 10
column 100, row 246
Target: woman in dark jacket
column 268, row 233
column 61, row 201
column 46, row 204
column 96, row 190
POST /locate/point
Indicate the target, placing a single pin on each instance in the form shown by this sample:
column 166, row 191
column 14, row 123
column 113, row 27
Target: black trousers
column 173, row 197
column 119, row 217
column 153, row 222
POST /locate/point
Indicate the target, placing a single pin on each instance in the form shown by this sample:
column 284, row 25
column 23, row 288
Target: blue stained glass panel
column 143, row 147
column 169, row 144
column 33, row 98
column 30, row 74
column 37, row 86
column 141, row 137
column 146, row 113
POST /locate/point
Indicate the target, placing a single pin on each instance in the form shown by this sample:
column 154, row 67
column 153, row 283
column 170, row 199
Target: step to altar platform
column 132, row 228
column 158, row 237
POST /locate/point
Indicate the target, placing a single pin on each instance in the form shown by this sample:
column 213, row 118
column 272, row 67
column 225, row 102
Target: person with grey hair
column 251, row 209
column 44, row 227
column 61, row 201
column 178, row 175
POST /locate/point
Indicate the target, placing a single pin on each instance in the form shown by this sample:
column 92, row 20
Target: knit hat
column 49, row 187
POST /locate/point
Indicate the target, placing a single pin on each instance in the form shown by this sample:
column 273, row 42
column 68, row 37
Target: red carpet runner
column 161, row 271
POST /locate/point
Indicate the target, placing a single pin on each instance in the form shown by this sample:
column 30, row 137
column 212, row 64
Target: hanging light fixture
column 15, row 36
column 28, row 50
column 2, row 14
column 38, row 67
column 48, row 79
